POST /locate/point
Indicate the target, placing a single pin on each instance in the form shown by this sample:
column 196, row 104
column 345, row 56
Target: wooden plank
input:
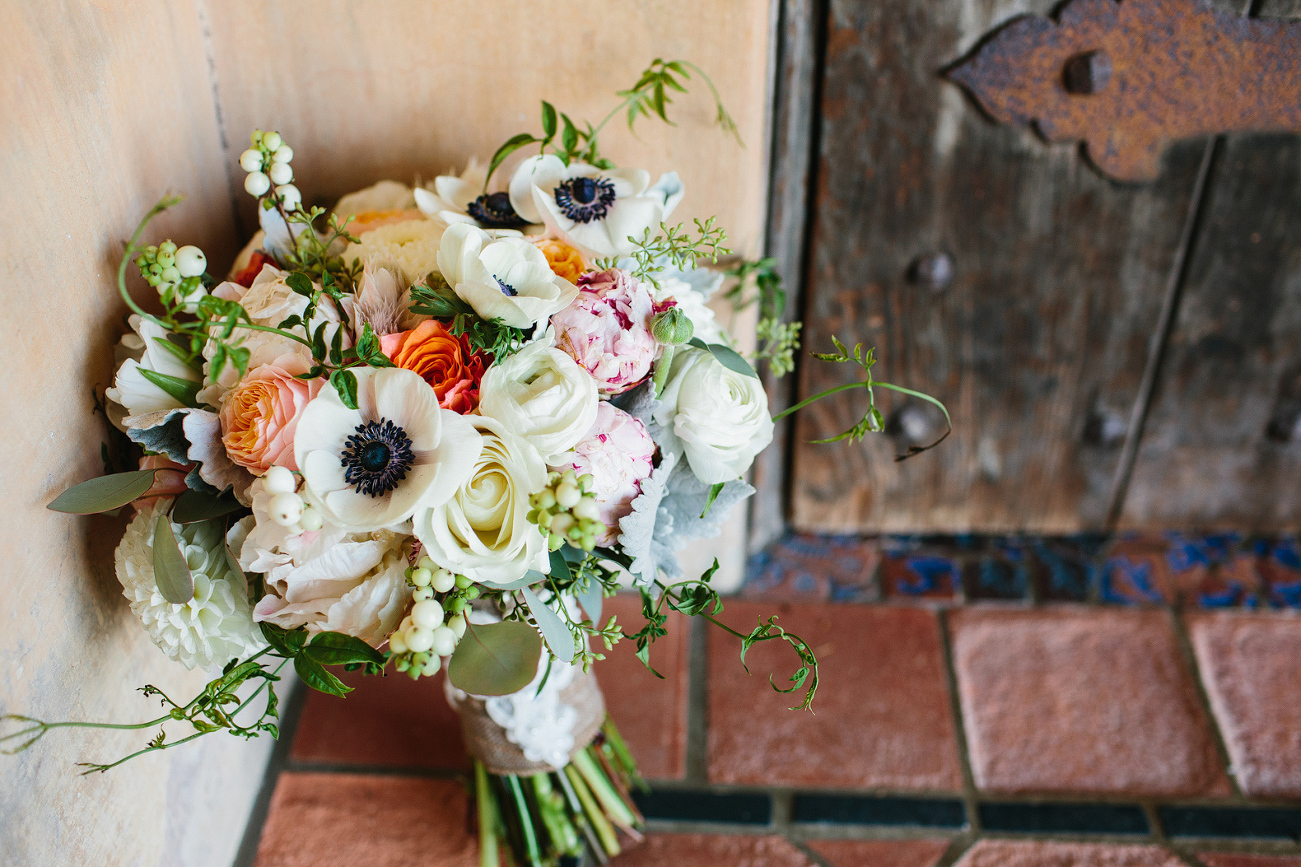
column 1037, row 345
column 106, row 106
column 794, row 114
column 1222, row 447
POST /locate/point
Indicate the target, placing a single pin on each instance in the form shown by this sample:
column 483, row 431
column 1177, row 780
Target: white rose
column 143, row 351
column 483, row 531
column 506, row 279
column 542, row 395
column 381, row 196
column 329, row 580
column 720, row 416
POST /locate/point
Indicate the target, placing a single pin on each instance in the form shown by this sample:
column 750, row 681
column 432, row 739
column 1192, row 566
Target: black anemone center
column 495, row 211
column 376, row 457
column 585, row 199
column 506, row 288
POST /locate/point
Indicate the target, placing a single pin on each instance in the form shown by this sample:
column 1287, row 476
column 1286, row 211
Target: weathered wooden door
column 1113, row 354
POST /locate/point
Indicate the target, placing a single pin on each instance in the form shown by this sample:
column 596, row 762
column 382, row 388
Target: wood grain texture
column 1221, row 446
column 107, row 106
column 405, row 88
column 1043, row 331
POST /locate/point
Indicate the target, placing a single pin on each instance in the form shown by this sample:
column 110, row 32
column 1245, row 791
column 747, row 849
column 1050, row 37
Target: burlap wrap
column 486, row 741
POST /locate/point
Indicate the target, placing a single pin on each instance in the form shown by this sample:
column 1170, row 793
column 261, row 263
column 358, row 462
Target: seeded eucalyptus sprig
column 872, row 421
column 778, row 341
column 676, row 246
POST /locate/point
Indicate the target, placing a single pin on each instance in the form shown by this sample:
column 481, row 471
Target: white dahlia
column 215, row 626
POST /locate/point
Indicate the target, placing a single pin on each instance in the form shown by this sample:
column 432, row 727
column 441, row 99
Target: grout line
column 1185, row 645
column 697, row 746
column 970, row 796
column 232, row 186
column 782, row 801
column 1155, row 827
column 278, row 762
column 956, row 850
column 1160, row 339
column 313, row 767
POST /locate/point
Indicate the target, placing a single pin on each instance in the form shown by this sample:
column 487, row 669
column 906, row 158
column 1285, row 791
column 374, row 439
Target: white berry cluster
column 267, row 164
column 286, row 507
column 175, row 272
column 436, row 623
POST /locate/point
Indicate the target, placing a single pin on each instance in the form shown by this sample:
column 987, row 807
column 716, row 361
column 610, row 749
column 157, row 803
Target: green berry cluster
column 175, row 272
column 566, row 510
column 431, row 631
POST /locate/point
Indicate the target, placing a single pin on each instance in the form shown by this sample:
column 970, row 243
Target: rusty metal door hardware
column 1129, row 77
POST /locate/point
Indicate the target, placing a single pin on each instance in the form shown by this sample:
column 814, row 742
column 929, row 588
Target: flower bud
column 672, row 327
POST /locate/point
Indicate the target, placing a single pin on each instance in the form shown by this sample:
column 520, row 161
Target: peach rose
column 169, row 480
column 442, row 360
column 564, row 260
column 260, row 414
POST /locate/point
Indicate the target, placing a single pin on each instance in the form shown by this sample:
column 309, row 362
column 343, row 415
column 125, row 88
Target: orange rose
column 564, row 260
column 260, row 414
column 442, row 360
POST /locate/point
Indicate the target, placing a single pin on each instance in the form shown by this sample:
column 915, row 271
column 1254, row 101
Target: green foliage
column 770, row 631
column 675, row 246
column 218, row 707
column 194, row 506
column 103, row 494
column 495, row 658
column 649, row 96
column 872, row 421
column 495, row 338
column 778, row 341
column 171, row 571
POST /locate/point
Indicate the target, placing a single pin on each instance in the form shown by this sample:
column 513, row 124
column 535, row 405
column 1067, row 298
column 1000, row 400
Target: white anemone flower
column 462, row 199
column 373, row 467
column 144, row 351
column 507, row 279
column 595, row 210
column 216, row 625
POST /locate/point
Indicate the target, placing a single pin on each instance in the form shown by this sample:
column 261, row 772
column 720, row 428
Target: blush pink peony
column 607, row 330
column 260, row 414
column 617, row 452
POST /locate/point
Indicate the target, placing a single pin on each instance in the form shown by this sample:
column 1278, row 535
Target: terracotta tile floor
column 985, row 734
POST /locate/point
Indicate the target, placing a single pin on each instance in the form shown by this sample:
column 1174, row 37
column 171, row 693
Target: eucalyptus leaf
column 171, row 572
column 591, row 597
column 554, row 630
column 194, row 506
column 184, row 391
column 532, row 576
column 560, row 566
column 103, row 494
column 495, row 658
column 730, row 359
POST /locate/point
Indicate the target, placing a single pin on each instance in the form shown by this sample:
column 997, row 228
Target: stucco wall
column 107, row 105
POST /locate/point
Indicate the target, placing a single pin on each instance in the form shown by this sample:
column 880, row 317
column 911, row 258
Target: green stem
column 826, row 393
column 614, row 806
column 488, row 844
column 526, row 821
column 604, row 830
column 92, row 768
column 580, row 816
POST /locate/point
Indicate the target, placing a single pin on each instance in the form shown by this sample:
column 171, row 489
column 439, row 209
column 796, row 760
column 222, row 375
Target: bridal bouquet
column 430, row 429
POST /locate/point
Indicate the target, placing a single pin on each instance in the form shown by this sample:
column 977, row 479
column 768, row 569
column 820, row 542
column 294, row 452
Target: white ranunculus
column 329, row 580
column 143, row 350
column 483, row 531
column 373, row 467
column 507, row 279
column 719, row 416
column 541, row 394
column 215, row 626
column 595, row 210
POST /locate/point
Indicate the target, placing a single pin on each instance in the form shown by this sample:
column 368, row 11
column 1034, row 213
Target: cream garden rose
column 541, row 394
column 483, row 531
column 720, row 417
